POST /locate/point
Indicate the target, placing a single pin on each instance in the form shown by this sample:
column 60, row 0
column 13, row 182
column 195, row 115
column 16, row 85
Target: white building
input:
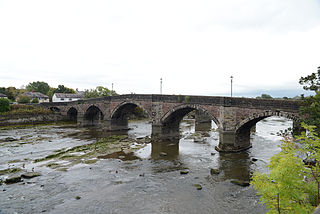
column 41, row 97
column 66, row 97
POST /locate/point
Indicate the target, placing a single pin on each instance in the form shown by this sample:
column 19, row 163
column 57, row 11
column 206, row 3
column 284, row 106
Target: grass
column 10, row 171
column 20, row 109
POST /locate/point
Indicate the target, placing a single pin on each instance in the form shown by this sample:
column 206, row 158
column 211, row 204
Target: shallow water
column 149, row 182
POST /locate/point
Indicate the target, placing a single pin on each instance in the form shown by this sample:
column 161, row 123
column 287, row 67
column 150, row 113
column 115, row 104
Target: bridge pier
column 202, row 123
column 165, row 132
column 231, row 141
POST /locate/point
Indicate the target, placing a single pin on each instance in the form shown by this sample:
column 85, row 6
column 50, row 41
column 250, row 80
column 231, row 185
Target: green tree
column 23, row 99
column 38, row 86
column 99, row 91
column 35, row 100
column 292, row 185
column 310, row 108
column 4, row 104
column 63, row 89
column 264, row 96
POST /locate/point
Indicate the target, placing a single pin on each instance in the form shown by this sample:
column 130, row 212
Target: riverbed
column 148, row 180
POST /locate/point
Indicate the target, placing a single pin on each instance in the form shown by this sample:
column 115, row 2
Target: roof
column 3, row 95
column 35, row 95
column 69, row 95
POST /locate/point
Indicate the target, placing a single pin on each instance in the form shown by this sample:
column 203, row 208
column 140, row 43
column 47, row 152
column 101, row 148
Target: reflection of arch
column 125, row 108
column 54, row 109
column 256, row 117
column 72, row 114
column 93, row 115
column 175, row 115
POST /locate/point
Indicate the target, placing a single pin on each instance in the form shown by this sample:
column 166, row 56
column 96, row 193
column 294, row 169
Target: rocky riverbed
column 65, row 169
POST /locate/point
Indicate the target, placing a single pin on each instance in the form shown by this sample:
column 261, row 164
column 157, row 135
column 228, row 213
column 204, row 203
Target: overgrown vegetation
column 293, row 184
column 20, row 109
column 4, row 105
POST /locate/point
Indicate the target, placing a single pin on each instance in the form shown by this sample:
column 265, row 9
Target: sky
column 194, row 46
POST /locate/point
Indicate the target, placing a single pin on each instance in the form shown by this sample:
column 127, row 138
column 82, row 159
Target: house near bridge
column 3, row 95
column 41, row 97
column 67, row 97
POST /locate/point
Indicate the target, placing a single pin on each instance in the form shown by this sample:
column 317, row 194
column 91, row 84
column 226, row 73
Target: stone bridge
column 234, row 116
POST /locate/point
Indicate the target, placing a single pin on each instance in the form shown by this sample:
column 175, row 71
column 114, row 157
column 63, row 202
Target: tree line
column 15, row 94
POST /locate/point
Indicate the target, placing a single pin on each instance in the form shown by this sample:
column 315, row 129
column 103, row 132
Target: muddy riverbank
column 79, row 176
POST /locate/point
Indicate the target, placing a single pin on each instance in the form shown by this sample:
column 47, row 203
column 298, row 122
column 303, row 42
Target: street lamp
column 161, row 85
column 231, row 84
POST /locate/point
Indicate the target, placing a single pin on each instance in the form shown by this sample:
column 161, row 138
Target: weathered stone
column 214, row 171
column 240, row 183
column 184, row 172
column 29, row 175
column 198, row 186
column 163, row 154
column 254, row 159
column 13, row 179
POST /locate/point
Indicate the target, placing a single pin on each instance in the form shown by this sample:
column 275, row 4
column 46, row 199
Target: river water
column 148, row 183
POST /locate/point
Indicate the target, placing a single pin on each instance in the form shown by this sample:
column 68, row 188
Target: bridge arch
column 93, row 115
column 176, row 114
column 72, row 114
column 127, row 107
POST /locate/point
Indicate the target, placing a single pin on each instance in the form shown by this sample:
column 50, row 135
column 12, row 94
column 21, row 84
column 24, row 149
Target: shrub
column 23, row 99
column 4, row 104
column 35, row 100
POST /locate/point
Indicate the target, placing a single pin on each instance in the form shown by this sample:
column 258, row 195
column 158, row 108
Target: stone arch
column 92, row 116
column 256, row 117
column 176, row 114
column 126, row 107
column 72, row 114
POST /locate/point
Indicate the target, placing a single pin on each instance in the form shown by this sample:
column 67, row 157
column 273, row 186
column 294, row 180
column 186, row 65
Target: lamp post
column 111, row 89
column 161, row 85
column 231, row 84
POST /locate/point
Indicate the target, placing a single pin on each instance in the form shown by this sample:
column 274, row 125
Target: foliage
column 100, row 91
column 311, row 82
column 35, row 100
column 292, row 186
column 21, row 109
column 264, row 96
column 23, row 99
column 11, row 92
column 38, row 86
column 63, row 89
column 310, row 108
column 4, row 105
column 187, row 99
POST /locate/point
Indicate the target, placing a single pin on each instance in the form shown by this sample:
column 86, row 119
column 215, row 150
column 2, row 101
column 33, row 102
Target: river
column 149, row 181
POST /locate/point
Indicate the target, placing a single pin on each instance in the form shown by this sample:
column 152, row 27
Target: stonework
column 233, row 116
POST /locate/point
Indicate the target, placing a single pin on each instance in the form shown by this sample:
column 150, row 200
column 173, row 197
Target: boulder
column 13, row 179
column 241, row 183
column 184, row 172
column 29, row 175
column 214, row 171
column 198, row 186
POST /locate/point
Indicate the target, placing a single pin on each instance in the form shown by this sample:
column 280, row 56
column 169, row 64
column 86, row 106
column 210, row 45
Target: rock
column 214, row 171
column 13, row 179
column 241, row 183
column 254, row 159
column 212, row 153
column 198, row 186
column 163, row 154
column 10, row 139
column 29, row 175
column 122, row 157
column 78, row 197
column 184, row 172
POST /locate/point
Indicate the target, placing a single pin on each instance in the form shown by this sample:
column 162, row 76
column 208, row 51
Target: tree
column 4, row 104
column 23, row 99
column 311, row 82
column 35, row 100
column 292, row 186
column 310, row 108
column 264, row 96
column 100, row 91
column 38, row 86
column 63, row 89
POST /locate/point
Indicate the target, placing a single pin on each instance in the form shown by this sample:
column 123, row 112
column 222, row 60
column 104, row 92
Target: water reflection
column 235, row 165
column 165, row 150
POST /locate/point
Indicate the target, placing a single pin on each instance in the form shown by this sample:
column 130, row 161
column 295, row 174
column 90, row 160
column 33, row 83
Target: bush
column 4, row 104
column 23, row 99
column 20, row 109
column 35, row 100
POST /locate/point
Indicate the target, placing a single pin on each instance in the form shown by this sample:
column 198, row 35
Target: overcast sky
column 195, row 46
